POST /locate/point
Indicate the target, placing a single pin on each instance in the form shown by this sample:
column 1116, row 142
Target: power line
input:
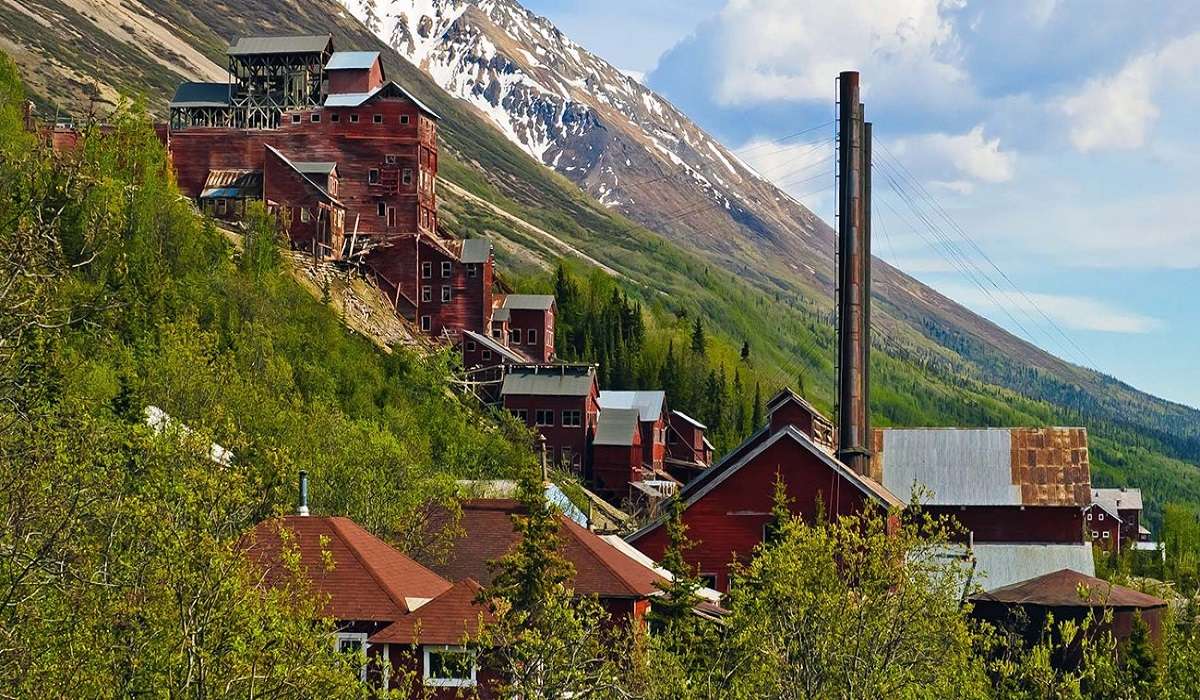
column 781, row 139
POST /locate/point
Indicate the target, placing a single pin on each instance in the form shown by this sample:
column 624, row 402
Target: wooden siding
column 577, row 439
column 728, row 521
column 614, row 467
column 526, row 320
column 1041, row 524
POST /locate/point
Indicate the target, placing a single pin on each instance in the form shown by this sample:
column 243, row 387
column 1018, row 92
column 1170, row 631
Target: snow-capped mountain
column 603, row 129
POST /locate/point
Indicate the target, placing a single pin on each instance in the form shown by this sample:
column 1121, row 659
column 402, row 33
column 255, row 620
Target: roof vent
column 302, row 509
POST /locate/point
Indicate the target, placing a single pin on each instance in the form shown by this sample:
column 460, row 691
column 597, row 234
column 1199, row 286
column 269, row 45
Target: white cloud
column 955, row 162
column 787, row 50
column 1116, row 112
column 1070, row 312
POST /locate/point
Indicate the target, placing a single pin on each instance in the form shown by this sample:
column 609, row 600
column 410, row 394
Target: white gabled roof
column 1126, row 499
column 649, row 404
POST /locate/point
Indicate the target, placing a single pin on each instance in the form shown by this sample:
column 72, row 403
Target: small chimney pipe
column 545, row 462
column 302, row 509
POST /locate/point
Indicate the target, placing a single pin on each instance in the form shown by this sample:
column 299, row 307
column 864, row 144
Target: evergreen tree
column 699, row 342
column 745, row 350
column 756, row 418
column 679, row 597
column 527, row 575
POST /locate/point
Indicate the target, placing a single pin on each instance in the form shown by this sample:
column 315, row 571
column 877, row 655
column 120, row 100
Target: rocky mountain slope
column 764, row 276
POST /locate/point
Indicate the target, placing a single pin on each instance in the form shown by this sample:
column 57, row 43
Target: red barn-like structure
column 560, row 403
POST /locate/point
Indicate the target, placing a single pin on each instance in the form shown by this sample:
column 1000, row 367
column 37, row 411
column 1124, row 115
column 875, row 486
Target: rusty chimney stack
column 854, row 277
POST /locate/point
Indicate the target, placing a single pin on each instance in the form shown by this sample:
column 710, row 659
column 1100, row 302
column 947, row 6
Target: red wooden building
column 560, row 403
column 346, row 156
column 1114, row 518
column 527, row 321
column 688, row 450
column 379, row 599
column 651, row 407
column 617, row 453
column 728, row 508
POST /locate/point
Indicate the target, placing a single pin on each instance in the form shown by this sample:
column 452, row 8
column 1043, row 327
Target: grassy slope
column 916, row 381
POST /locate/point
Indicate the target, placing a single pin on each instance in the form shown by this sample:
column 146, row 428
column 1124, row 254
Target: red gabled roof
column 600, row 568
column 369, row 579
column 451, row 618
column 1061, row 589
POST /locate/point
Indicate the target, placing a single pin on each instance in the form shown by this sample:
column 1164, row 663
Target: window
column 380, row 208
column 514, row 336
column 470, row 346
column 572, row 419
column 496, row 332
column 403, row 118
column 1089, row 516
column 305, row 217
column 373, row 176
column 576, row 460
column 426, row 270
column 391, row 218
column 353, row 643
column 445, row 294
column 521, row 414
column 295, row 118
column 335, row 117
column 353, row 118
column 378, row 118
column 390, row 159
column 531, row 336
column 565, row 456
column 1095, row 534
column 406, row 176
column 1100, row 516
column 709, row 580
column 487, row 354
column 426, row 323
column 1106, row 533
column 472, row 270
column 449, row 666
column 222, row 206
column 447, row 267
column 544, row 417
column 315, row 117
column 426, row 293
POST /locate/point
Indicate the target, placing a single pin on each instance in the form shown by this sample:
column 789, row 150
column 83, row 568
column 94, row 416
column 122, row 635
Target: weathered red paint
column 614, row 467
column 576, row 439
column 542, row 324
column 1045, row 524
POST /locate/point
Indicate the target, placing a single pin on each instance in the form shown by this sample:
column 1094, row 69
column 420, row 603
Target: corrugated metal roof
column 616, row 426
column 1061, row 588
column 528, row 302
column 649, row 404
column 500, row 314
column 317, row 186
column 352, row 60
column 563, row 380
column 1003, row 564
column 233, row 184
column 476, row 250
column 1125, row 499
column 388, row 89
column 303, row 43
column 201, row 95
column 988, row 466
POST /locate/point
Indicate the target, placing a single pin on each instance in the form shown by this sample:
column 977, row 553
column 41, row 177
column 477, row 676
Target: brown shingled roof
column 1061, row 589
column 370, row 580
column 451, row 618
column 600, row 568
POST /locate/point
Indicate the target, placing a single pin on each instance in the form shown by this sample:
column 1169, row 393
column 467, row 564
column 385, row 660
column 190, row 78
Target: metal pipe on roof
column 302, row 509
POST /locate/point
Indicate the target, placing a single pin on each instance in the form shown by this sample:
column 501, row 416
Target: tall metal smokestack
column 854, row 277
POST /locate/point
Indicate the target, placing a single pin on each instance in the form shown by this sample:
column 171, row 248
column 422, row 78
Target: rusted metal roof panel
column 988, row 466
column 1062, row 588
column 233, row 184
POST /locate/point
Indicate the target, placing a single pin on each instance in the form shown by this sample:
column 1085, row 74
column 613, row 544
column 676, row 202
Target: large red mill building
column 346, row 158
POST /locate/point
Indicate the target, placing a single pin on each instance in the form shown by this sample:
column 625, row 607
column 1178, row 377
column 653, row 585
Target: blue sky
column 1058, row 134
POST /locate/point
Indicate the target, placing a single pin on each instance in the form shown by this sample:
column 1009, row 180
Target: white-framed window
column 572, row 418
column 315, row 117
column 390, row 159
column 403, row 118
column 531, row 336
column 1089, row 516
column 426, row 323
column 295, row 118
column 426, row 270
column 353, row 118
column 426, row 293
column 1095, row 534
column 487, row 354
column 449, row 666
column 1106, row 533
column 1100, row 516
column 447, row 268
column 514, row 336
column 377, row 118
column 521, row 414
column 445, row 294
column 709, row 580
column 373, row 176
column 470, row 346
column 353, row 643
column 472, row 270
column 544, row 417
